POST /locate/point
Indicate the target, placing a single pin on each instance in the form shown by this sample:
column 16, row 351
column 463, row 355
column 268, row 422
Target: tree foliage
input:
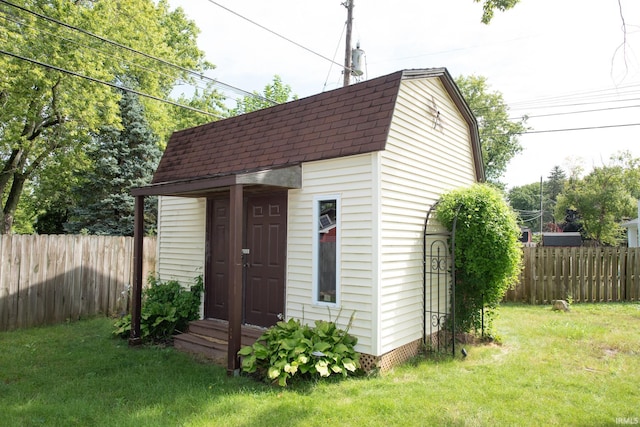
column 120, row 159
column 602, row 199
column 487, row 250
column 498, row 134
column 490, row 6
column 47, row 114
column 274, row 93
column 525, row 200
column 555, row 183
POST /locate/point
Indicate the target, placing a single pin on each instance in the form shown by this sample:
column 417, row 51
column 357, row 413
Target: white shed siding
column 181, row 237
column 420, row 163
column 351, row 178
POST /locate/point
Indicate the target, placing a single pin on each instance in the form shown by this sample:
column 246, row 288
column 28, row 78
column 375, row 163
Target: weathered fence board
column 47, row 279
column 587, row 274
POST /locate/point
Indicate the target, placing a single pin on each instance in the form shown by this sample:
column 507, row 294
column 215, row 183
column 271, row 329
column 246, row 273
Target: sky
column 551, row 60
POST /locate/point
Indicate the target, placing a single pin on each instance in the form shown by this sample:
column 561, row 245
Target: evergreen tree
column 555, row 183
column 122, row 158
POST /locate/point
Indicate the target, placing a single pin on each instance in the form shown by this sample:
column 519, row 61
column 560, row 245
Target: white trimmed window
column 326, row 250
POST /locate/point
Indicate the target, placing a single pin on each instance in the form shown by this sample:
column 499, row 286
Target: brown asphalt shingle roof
column 343, row 122
column 347, row 121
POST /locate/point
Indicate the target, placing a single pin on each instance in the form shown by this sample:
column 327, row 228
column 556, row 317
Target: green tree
column 555, row 183
column 207, row 99
column 487, row 250
column 602, row 201
column 490, row 6
column 631, row 171
column 46, row 113
column 274, row 93
column 525, row 200
column 498, row 134
column 120, row 159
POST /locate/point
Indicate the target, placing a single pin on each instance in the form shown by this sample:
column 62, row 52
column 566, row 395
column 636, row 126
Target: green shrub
column 167, row 308
column 487, row 251
column 293, row 350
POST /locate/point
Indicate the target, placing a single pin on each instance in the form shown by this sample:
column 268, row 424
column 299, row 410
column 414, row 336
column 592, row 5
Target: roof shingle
column 347, row 121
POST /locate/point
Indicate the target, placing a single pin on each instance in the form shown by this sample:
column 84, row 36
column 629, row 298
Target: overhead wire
column 146, row 55
column 576, row 112
column 99, row 51
column 199, row 75
column 107, row 54
column 614, row 89
column 591, row 97
column 278, row 34
column 113, row 85
column 335, row 53
column 579, row 128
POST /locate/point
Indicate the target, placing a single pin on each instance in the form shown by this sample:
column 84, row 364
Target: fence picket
column 5, row 293
column 586, row 274
column 48, row 279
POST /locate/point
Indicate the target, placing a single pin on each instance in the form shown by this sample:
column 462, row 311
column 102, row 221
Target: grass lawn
column 579, row 368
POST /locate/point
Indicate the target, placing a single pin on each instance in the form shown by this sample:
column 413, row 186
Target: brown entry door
column 217, row 254
column 264, row 266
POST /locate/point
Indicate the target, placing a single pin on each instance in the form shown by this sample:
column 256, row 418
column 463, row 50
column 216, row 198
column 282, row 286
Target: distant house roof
column 351, row 120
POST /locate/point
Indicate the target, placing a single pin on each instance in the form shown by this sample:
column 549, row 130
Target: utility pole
column 347, row 51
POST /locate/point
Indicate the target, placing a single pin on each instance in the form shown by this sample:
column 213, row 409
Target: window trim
column 316, row 248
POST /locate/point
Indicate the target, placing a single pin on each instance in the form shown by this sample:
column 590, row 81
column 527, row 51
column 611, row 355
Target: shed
column 567, row 238
column 633, row 235
column 317, row 207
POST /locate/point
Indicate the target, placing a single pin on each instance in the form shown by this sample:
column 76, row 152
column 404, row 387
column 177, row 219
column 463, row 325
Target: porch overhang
column 285, row 177
column 289, row 177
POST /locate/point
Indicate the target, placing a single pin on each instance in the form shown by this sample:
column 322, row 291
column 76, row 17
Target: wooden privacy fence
column 583, row 274
column 47, row 279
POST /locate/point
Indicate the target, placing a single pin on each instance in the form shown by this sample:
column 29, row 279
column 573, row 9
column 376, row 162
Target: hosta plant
column 291, row 350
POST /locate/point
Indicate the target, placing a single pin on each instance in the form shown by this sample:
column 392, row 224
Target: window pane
column 327, row 214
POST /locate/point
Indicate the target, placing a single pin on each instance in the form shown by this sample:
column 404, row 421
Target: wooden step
column 218, row 329
column 209, row 338
column 191, row 343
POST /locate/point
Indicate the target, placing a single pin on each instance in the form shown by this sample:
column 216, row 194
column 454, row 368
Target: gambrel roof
column 351, row 120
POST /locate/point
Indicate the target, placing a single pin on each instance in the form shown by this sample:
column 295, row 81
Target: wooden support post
column 138, row 243
column 235, row 278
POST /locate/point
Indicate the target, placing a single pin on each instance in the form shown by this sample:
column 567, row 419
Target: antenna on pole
column 347, row 51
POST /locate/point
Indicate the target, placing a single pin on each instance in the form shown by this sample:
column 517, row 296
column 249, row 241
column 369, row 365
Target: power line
column 582, row 128
column 576, row 104
column 146, row 55
column 102, row 52
column 278, row 35
column 577, row 95
column 576, row 112
column 113, row 85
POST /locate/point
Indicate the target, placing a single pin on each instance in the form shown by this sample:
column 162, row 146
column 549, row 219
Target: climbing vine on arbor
column 487, row 251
